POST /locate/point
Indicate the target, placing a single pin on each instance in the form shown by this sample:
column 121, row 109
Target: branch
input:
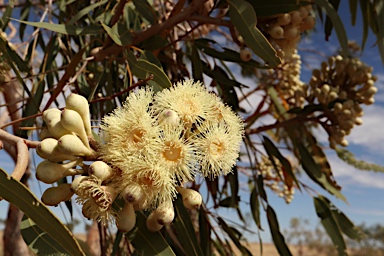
column 22, row 146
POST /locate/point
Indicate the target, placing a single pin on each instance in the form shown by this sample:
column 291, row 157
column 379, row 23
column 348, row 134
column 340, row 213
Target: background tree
column 105, row 50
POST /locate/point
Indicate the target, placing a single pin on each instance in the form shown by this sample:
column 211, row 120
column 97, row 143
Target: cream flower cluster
column 342, row 85
column 151, row 146
column 285, row 29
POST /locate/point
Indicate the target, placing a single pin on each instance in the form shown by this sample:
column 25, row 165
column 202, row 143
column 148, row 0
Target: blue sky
column 363, row 189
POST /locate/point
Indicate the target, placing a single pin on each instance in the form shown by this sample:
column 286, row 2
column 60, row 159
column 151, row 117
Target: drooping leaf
column 328, row 23
column 277, row 237
column 143, row 69
column 255, row 207
column 232, row 234
column 146, row 242
column 365, row 11
column 350, row 159
column 85, row 11
column 270, row 8
column 145, row 10
column 66, row 29
column 330, row 224
column 353, row 11
column 119, row 34
column 205, row 233
column 197, row 67
column 184, row 229
column 243, row 18
column 337, row 24
column 16, row 193
column 5, row 18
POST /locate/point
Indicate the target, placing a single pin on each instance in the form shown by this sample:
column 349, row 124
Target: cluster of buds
column 64, row 145
column 273, row 180
column 150, row 147
column 286, row 79
column 342, row 85
column 285, row 29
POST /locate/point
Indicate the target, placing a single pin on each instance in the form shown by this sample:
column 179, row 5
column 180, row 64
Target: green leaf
column 66, row 29
column 119, row 34
column 143, row 69
column 330, row 224
column 205, row 232
column 16, row 193
column 350, row 159
column 269, row 8
column 184, row 229
column 197, row 67
column 255, row 207
column 272, row 150
column 86, row 11
column 224, row 54
column 243, row 18
column 314, row 172
column 232, row 234
column 146, row 242
column 5, row 19
column 337, row 24
column 277, row 237
column 328, row 24
column 145, row 10
column 353, row 11
column 365, row 11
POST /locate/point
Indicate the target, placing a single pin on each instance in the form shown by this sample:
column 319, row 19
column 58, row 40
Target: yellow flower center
column 216, row 148
column 172, row 152
column 136, row 135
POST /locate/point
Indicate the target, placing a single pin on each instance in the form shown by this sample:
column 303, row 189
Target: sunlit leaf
column 66, row 29
column 119, row 34
column 243, row 18
column 16, row 193
column 145, row 10
column 232, row 234
column 330, row 224
column 85, row 11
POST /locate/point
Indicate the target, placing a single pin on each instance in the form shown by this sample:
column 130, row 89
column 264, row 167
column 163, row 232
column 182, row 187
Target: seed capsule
column 126, row 218
column 165, row 213
column 54, row 195
column 152, row 223
column 56, row 128
column 245, row 55
column 133, row 193
column 49, row 172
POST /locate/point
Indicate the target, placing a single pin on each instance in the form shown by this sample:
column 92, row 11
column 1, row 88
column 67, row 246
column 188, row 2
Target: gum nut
column 79, row 104
column 48, row 149
column 72, row 145
column 284, row 19
column 50, row 172
column 72, row 121
column 126, row 218
column 245, row 55
column 100, row 170
column 77, row 181
column 277, row 32
column 55, row 195
column 56, row 128
column 191, row 198
column 50, row 114
column 152, row 223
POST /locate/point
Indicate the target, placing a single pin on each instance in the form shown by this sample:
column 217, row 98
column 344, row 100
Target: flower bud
column 133, row 193
column 48, row 149
column 245, row 55
column 44, row 133
column 70, row 144
column 54, row 195
column 284, row 19
column 56, row 128
column 50, row 114
column 126, row 218
column 152, row 223
column 77, row 181
column 72, row 121
column 169, row 117
column 165, row 213
column 49, row 172
column 276, row 32
column 291, row 33
column 80, row 105
column 100, row 170
column 191, row 198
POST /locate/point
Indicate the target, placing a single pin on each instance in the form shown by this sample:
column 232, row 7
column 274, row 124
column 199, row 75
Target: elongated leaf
column 337, row 24
column 184, row 229
column 197, row 67
column 255, row 207
column 16, row 193
column 86, row 11
column 353, row 10
column 328, row 24
column 272, row 150
column 224, row 54
column 243, row 18
column 205, row 233
column 146, row 242
column 232, row 234
column 277, row 237
column 365, row 11
column 5, row 18
column 330, row 224
column 66, row 29
column 119, row 34
column 145, row 10
column 270, row 8
column 314, row 172
column 143, row 68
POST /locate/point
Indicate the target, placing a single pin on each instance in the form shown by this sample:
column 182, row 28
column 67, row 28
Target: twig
column 22, row 146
